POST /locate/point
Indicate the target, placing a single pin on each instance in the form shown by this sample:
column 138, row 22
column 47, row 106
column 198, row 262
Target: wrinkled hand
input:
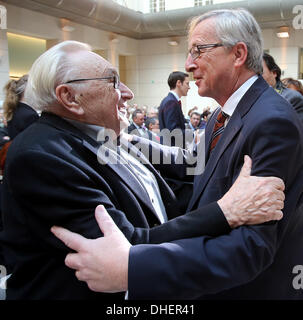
column 102, row 263
column 253, row 200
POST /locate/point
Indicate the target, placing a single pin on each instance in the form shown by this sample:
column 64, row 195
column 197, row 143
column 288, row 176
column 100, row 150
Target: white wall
column 156, row 59
column 285, row 51
column 4, row 63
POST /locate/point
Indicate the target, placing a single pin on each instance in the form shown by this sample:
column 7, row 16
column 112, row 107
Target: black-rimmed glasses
column 114, row 79
column 196, row 51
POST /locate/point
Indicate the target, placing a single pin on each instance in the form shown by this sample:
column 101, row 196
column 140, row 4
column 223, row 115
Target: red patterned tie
column 218, row 129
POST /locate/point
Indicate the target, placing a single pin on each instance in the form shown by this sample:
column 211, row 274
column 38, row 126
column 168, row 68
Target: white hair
column 233, row 26
column 48, row 71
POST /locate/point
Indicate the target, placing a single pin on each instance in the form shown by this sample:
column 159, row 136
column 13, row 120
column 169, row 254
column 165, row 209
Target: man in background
column 192, row 126
column 170, row 111
column 138, row 127
column 272, row 75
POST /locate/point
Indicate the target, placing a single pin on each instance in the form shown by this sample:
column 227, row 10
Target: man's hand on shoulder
column 253, row 200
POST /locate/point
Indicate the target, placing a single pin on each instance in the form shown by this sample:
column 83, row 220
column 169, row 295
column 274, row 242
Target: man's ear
column 240, row 54
column 178, row 83
column 67, row 96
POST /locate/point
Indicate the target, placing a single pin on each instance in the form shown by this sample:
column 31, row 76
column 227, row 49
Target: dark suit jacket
column 131, row 129
column 251, row 262
column 53, row 177
column 23, row 117
column 171, row 116
column 295, row 98
column 3, row 133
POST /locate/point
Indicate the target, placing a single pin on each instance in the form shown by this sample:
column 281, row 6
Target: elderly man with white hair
column 59, row 169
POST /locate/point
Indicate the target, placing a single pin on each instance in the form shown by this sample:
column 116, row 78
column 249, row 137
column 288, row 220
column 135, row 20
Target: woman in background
column 18, row 114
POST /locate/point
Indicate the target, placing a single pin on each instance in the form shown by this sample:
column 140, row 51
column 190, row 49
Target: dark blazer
column 3, row 136
column 251, row 262
column 295, row 98
column 171, row 116
column 53, row 177
column 23, row 117
column 131, row 129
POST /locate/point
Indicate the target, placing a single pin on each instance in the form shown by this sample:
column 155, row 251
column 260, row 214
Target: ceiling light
column 68, row 28
column 66, row 25
column 283, row 32
column 173, row 43
column 115, row 40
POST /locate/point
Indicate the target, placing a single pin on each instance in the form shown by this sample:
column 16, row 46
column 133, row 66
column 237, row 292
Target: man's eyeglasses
column 196, row 51
column 114, row 79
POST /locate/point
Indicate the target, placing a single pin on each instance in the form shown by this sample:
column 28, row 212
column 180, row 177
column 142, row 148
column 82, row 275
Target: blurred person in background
column 137, row 127
column 272, row 74
column 193, row 127
column 170, row 112
column 152, row 124
column 152, row 113
column 293, row 84
column 204, row 118
column 18, row 114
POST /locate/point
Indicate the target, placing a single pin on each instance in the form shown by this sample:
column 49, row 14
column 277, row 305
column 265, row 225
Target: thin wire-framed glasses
column 197, row 50
column 114, row 79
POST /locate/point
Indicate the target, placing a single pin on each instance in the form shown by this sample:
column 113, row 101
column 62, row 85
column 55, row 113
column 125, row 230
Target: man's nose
column 126, row 93
column 189, row 64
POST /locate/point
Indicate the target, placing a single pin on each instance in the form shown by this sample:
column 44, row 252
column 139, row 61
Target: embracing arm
column 192, row 267
column 104, row 262
column 250, row 200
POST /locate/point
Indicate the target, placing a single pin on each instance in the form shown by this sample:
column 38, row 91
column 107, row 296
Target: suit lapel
column 163, row 186
column 230, row 132
column 108, row 157
column 168, row 197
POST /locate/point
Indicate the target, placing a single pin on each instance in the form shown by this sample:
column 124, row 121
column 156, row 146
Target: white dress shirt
column 232, row 102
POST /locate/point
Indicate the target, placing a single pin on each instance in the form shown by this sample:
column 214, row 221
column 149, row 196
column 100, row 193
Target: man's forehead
column 102, row 64
column 202, row 33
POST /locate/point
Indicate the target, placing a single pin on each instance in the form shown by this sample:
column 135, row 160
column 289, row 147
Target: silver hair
column 233, row 26
column 48, row 71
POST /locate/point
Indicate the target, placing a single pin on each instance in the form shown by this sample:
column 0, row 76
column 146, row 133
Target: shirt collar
column 138, row 127
column 95, row 132
column 175, row 95
column 231, row 104
column 191, row 126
